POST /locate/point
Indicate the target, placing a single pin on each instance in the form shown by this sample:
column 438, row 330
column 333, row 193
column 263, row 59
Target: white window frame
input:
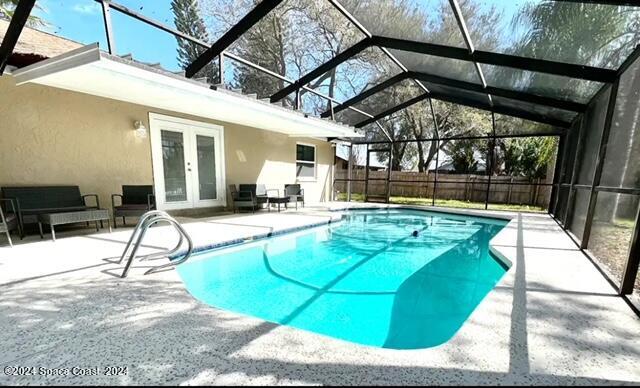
column 315, row 163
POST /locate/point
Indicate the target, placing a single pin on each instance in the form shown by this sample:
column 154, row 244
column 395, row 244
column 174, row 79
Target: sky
column 81, row 20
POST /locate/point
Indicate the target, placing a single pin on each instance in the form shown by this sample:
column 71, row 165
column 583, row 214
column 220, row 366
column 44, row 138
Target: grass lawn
column 356, row 197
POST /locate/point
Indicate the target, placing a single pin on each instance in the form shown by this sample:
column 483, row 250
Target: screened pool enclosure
column 488, row 104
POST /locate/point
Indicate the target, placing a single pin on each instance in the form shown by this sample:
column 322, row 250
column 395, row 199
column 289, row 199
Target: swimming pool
column 366, row 279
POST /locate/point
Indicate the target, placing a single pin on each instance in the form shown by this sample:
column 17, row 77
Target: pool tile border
column 496, row 254
column 255, row 237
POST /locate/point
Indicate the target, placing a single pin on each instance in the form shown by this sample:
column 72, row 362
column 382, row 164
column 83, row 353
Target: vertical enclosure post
column 489, row 167
column 366, row 177
column 388, row 194
column 557, row 170
column 568, row 212
column 631, row 269
column 106, row 15
column 221, row 69
column 349, row 174
column 437, row 140
column 435, row 174
column 298, row 103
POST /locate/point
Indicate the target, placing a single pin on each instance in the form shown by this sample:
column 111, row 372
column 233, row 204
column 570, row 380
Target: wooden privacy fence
column 462, row 187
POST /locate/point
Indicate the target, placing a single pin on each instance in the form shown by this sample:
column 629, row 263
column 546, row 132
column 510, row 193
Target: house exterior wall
column 54, row 136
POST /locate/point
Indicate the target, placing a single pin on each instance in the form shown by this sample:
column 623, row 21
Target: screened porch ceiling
column 364, row 63
column 537, row 60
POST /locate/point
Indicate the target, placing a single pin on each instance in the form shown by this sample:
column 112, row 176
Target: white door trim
column 189, row 128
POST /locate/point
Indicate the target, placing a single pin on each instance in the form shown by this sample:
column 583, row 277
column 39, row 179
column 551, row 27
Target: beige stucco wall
column 54, row 136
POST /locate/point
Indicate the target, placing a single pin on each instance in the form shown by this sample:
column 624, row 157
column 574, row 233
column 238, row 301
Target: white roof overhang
column 91, row 71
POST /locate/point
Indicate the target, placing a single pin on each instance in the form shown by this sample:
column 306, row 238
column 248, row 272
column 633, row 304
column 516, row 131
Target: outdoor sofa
column 53, row 205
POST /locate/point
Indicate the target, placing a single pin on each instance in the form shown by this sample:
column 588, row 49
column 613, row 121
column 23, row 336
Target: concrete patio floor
column 552, row 319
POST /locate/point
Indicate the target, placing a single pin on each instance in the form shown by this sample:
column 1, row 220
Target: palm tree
column 580, row 33
column 8, row 6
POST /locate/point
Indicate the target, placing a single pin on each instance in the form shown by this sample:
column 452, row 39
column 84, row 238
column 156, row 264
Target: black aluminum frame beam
column 600, row 160
column 523, row 114
column 248, row 21
column 320, row 70
column 630, row 3
column 136, row 15
column 464, row 85
column 18, row 21
column 462, row 26
column 393, row 110
column 529, row 64
column 463, row 137
column 501, row 92
column 368, row 93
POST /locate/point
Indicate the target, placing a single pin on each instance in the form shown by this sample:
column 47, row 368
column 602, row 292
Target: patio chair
column 245, row 198
column 294, row 191
column 259, row 191
column 9, row 221
column 135, row 200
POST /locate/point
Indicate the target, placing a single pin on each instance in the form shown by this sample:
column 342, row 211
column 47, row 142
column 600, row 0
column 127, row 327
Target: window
column 305, row 162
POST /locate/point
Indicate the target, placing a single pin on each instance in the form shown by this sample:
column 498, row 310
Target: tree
column 187, row 20
column 435, row 25
column 528, row 156
column 8, row 6
column 462, row 154
column 291, row 40
column 581, row 33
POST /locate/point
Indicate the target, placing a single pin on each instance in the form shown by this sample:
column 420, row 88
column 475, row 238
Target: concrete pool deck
column 553, row 319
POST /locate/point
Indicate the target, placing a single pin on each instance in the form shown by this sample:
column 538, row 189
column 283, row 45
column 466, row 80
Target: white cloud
column 86, row 8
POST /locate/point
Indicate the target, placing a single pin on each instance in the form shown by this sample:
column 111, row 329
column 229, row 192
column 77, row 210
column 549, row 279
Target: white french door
column 188, row 163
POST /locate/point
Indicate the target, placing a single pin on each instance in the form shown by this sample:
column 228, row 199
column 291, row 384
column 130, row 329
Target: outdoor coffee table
column 53, row 219
column 278, row 200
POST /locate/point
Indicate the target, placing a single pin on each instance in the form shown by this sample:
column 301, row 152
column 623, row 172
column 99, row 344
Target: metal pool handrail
column 146, row 221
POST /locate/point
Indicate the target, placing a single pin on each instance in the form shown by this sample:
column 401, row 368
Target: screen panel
column 543, row 110
column 586, row 33
column 622, row 161
column 438, row 66
column 390, row 97
column 430, row 21
column 612, row 231
column 296, row 37
column 541, row 84
column 368, row 68
column 509, row 125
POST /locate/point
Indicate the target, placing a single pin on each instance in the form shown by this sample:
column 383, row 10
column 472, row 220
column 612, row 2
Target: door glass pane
column 175, row 182
column 206, row 167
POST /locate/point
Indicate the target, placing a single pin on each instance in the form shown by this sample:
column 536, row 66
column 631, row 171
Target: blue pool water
column 366, row 279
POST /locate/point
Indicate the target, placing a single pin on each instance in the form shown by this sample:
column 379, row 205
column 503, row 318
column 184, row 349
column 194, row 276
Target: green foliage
column 462, row 154
column 8, row 6
column 528, row 156
column 188, row 20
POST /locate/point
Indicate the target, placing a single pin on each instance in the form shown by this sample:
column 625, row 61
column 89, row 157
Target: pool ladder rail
column 147, row 220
